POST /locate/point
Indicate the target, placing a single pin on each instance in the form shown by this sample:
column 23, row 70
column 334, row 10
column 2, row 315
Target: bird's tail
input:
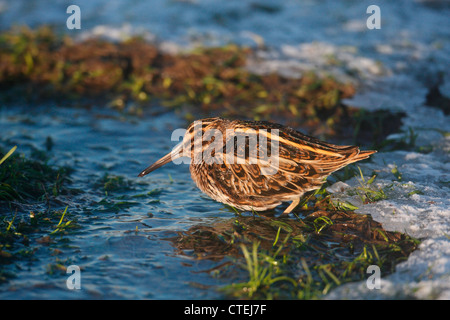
column 361, row 155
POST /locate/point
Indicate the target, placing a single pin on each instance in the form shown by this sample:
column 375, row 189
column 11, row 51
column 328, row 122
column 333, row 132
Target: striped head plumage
column 257, row 165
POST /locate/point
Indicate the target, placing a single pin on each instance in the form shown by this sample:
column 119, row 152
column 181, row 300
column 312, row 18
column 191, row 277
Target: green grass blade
column 10, row 152
column 276, row 237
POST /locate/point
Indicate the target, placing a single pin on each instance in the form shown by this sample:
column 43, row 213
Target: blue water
column 116, row 261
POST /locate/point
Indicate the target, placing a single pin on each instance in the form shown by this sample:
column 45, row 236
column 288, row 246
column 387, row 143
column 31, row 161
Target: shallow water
column 115, row 260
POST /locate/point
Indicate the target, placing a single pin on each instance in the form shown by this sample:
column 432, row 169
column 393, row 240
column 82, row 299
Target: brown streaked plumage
column 251, row 176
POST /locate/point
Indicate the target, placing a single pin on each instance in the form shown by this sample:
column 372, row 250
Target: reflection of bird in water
column 253, row 165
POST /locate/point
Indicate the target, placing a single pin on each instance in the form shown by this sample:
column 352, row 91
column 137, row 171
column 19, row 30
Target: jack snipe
column 257, row 165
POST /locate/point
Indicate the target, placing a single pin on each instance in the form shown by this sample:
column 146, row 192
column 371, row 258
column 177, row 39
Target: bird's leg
column 291, row 207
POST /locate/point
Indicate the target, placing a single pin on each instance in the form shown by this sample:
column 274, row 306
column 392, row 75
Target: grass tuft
column 322, row 248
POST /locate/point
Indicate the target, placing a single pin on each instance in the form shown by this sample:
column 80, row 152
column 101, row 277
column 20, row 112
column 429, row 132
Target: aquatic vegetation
column 25, row 181
column 21, row 237
column 6, row 191
column 301, row 258
column 396, row 173
column 261, row 268
column 367, row 192
column 6, row 156
column 133, row 73
column 60, row 227
column 113, row 183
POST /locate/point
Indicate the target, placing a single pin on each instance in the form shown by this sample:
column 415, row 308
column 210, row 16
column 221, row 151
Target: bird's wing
column 258, row 180
column 300, row 163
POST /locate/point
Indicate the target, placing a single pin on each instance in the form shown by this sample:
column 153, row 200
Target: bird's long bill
column 174, row 154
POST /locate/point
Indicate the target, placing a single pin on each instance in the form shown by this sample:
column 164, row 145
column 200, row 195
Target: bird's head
column 196, row 138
